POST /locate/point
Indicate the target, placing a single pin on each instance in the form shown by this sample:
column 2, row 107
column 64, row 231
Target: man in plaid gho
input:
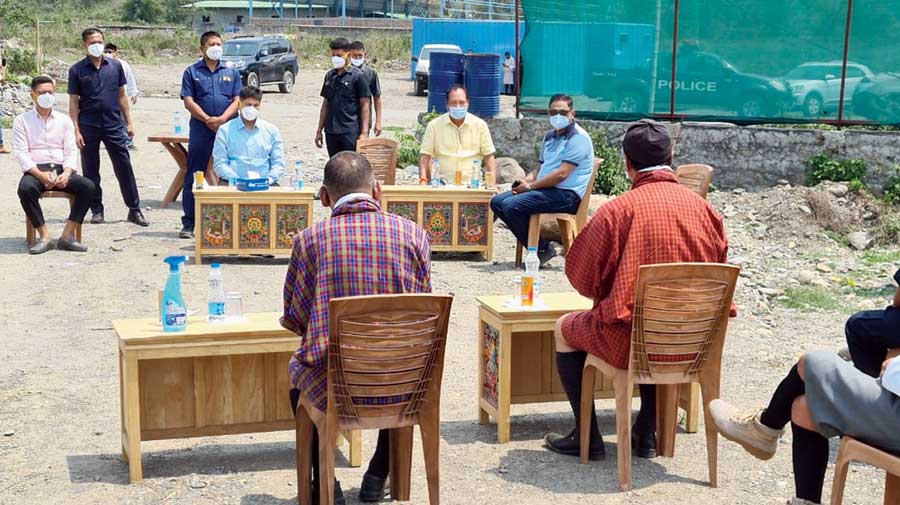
column 359, row 251
column 656, row 221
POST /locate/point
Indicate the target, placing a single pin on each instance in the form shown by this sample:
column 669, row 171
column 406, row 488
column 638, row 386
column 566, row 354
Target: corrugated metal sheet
column 479, row 36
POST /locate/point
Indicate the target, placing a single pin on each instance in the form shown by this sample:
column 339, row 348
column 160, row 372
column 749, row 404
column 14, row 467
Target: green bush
column 611, row 179
column 21, row 61
column 409, row 150
column 892, row 190
column 824, row 167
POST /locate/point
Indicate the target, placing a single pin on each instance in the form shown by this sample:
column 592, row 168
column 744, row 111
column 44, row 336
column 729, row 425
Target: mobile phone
column 516, row 183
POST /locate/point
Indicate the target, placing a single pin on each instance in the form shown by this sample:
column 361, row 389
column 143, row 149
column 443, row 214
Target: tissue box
column 260, row 184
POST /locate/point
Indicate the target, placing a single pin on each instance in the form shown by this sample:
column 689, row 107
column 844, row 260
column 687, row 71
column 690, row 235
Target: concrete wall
column 743, row 157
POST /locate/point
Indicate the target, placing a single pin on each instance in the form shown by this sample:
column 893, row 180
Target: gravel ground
column 59, row 412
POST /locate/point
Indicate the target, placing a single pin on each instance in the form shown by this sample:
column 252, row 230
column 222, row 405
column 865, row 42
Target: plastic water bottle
column 179, row 123
column 476, row 174
column 216, row 298
column 435, row 173
column 298, row 174
column 531, row 281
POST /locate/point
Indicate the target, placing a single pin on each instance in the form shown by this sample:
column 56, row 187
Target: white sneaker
column 800, row 501
column 745, row 429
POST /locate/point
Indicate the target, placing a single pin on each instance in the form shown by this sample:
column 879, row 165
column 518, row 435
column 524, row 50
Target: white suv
column 816, row 87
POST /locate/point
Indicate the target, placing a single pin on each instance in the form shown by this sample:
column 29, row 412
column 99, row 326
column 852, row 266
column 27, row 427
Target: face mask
column 558, row 121
column 250, row 113
column 338, row 62
column 214, row 52
column 357, row 62
column 96, row 50
column 46, row 100
column 458, row 112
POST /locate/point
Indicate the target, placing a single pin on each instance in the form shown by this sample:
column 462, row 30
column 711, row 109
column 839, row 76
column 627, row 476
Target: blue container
column 444, row 71
column 260, row 184
column 483, row 79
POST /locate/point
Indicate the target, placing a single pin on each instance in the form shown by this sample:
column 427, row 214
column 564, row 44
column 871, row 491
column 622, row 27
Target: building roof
column 257, row 4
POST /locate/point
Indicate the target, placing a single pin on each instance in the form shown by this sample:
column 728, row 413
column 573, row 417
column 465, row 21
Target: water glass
column 517, row 290
column 234, row 308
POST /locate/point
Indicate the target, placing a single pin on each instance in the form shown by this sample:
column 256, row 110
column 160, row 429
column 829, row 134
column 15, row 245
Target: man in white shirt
column 509, row 74
column 131, row 88
column 44, row 142
column 822, row 397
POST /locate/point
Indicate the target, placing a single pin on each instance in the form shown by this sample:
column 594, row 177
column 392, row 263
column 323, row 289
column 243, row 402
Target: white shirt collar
column 654, row 169
column 350, row 196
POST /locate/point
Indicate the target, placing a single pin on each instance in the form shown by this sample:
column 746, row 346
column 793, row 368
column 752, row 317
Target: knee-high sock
column 646, row 418
column 571, row 369
column 380, row 464
column 810, row 459
column 778, row 413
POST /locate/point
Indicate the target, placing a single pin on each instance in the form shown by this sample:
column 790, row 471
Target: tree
column 146, row 11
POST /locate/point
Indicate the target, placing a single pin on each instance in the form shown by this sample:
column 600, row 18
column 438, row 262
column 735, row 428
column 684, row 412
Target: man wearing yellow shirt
column 456, row 139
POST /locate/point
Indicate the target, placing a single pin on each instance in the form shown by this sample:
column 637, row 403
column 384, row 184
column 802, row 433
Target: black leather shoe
column 372, row 488
column 568, row 445
column 97, row 218
column 186, row 233
column 643, row 445
column 135, row 216
column 338, row 493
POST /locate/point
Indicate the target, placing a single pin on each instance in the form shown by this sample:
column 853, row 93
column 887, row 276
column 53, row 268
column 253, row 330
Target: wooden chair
column 854, row 450
column 680, row 319
column 385, row 364
column 696, row 178
column 29, row 230
column 382, row 154
column 569, row 225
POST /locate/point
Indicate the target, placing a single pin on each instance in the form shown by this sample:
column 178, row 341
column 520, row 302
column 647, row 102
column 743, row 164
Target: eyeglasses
column 560, row 112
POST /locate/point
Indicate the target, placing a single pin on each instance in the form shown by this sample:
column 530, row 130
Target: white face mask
column 96, row 49
column 338, row 62
column 46, row 100
column 214, row 52
column 250, row 113
column 357, row 62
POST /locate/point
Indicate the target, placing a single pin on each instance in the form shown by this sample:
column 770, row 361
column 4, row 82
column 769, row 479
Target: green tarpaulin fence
column 750, row 61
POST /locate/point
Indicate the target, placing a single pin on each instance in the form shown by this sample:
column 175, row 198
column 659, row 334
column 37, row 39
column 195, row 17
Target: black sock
column 778, row 413
column 380, row 464
column 645, row 422
column 810, row 458
column 571, row 368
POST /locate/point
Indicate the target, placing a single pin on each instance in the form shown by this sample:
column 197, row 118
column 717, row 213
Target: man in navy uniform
column 98, row 104
column 210, row 92
column 345, row 102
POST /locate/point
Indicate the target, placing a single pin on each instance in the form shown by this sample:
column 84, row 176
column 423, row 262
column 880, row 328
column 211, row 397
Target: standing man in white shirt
column 509, row 74
column 131, row 88
column 44, row 140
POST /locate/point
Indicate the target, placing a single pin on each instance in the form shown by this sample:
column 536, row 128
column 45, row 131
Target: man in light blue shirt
column 566, row 164
column 248, row 147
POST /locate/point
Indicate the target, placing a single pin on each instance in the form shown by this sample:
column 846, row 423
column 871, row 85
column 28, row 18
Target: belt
column 50, row 167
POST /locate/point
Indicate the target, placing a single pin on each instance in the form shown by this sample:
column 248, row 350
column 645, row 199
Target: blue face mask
column 558, row 121
column 457, row 112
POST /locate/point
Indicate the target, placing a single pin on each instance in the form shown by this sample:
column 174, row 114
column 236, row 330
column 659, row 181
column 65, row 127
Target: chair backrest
column 679, row 320
column 385, row 358
column 382, row 154
column 585, row 205
column 695, row 177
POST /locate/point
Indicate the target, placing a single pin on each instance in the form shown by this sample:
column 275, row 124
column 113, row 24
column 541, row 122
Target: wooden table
column 250, row 222
column 517, row 359
column 212, row 379
column 175, row 145
column 456, row 218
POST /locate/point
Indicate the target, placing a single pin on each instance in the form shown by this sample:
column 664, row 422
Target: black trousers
column 30, row 189
column 340, row 142
column 870, row 334
column 116, row 144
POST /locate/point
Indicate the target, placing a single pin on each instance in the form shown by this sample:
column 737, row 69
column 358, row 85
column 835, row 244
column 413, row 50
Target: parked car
column 878, row 98
column 816, row 87
column 263, row 61
column 706, row 84
column 423, row 60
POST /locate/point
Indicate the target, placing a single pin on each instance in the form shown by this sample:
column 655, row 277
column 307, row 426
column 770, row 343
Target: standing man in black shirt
column 98, row 105
column 358, row 60
column 345, row 104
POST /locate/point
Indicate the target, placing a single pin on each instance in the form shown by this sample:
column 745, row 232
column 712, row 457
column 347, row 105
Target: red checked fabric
column 657, row 221
column 358, row 251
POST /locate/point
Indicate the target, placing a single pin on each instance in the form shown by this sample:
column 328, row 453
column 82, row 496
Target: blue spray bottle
column 173, row 310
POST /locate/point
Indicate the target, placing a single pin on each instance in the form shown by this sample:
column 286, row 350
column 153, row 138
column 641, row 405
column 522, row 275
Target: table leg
column 690, row 402
column 355, row 448
column 179, row 154
column 122, row 406
column 504, row 379
column 483, row 416
column 666, row 418
column 133, row 418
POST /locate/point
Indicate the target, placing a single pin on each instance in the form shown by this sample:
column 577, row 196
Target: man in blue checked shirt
column 248, row 147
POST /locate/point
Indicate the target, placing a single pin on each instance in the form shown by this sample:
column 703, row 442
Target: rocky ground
column 58, row 374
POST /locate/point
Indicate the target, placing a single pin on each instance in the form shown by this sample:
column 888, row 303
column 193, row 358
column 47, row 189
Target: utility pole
column 655, row 60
